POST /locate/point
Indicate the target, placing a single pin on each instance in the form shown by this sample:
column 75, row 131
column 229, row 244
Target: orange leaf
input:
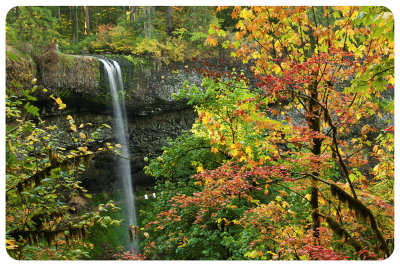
column 211, row 41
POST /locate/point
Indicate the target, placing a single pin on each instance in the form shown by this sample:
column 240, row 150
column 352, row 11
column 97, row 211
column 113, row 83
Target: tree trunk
column 132, row 12
column 74, row 20
column 124, row 12
column 314, row 124
column 169, row 27
column 76, row 24
column 16, row 12
column 87, row 20
column 59, row 13
column 147, row 21
column 70, row 16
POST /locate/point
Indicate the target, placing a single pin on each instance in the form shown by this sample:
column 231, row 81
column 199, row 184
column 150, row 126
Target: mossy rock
column 20, row 70
column 72, row 73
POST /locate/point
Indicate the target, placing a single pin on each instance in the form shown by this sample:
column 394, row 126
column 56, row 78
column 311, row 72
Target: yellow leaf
column 234, row 152
column 308, row 197
column 354, row 14
column 391, row 80
column 83, row 148
column 10, row 244
column 73, row 127
column 199, row 169
column 276, row 69
column 235, row 222
column 82, row 135
column 69, row 117
column 248, row 150
column 118, row 146
column 61, row 105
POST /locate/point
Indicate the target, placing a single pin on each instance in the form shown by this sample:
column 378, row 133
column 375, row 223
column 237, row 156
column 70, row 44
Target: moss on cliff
column 80, row 81
column 71, row 74
column 20, row 70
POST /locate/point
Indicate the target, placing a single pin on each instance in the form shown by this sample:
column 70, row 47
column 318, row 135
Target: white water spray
column 113, row 71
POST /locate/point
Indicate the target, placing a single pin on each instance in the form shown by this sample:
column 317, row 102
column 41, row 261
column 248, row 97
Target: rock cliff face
column 148, row 84
column 153, row 115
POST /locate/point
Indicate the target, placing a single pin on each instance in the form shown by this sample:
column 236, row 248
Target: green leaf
column 336, row 14
column 27, row 96
column 33, row 110
column 25, row 193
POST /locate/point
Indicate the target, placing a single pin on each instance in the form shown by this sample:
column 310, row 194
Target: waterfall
column 113, row 71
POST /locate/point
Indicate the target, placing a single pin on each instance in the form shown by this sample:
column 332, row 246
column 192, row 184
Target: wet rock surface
column 153, row 115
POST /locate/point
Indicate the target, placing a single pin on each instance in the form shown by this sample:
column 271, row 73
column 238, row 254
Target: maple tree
column 309, row 170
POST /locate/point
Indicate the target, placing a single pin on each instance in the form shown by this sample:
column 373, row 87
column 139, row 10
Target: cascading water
column 114, row 75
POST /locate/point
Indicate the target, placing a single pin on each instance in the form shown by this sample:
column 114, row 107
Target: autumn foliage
column 295, row 162
column 307, row 169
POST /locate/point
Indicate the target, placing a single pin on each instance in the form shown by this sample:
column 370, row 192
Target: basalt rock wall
column 81, row 82
column 153, row 115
